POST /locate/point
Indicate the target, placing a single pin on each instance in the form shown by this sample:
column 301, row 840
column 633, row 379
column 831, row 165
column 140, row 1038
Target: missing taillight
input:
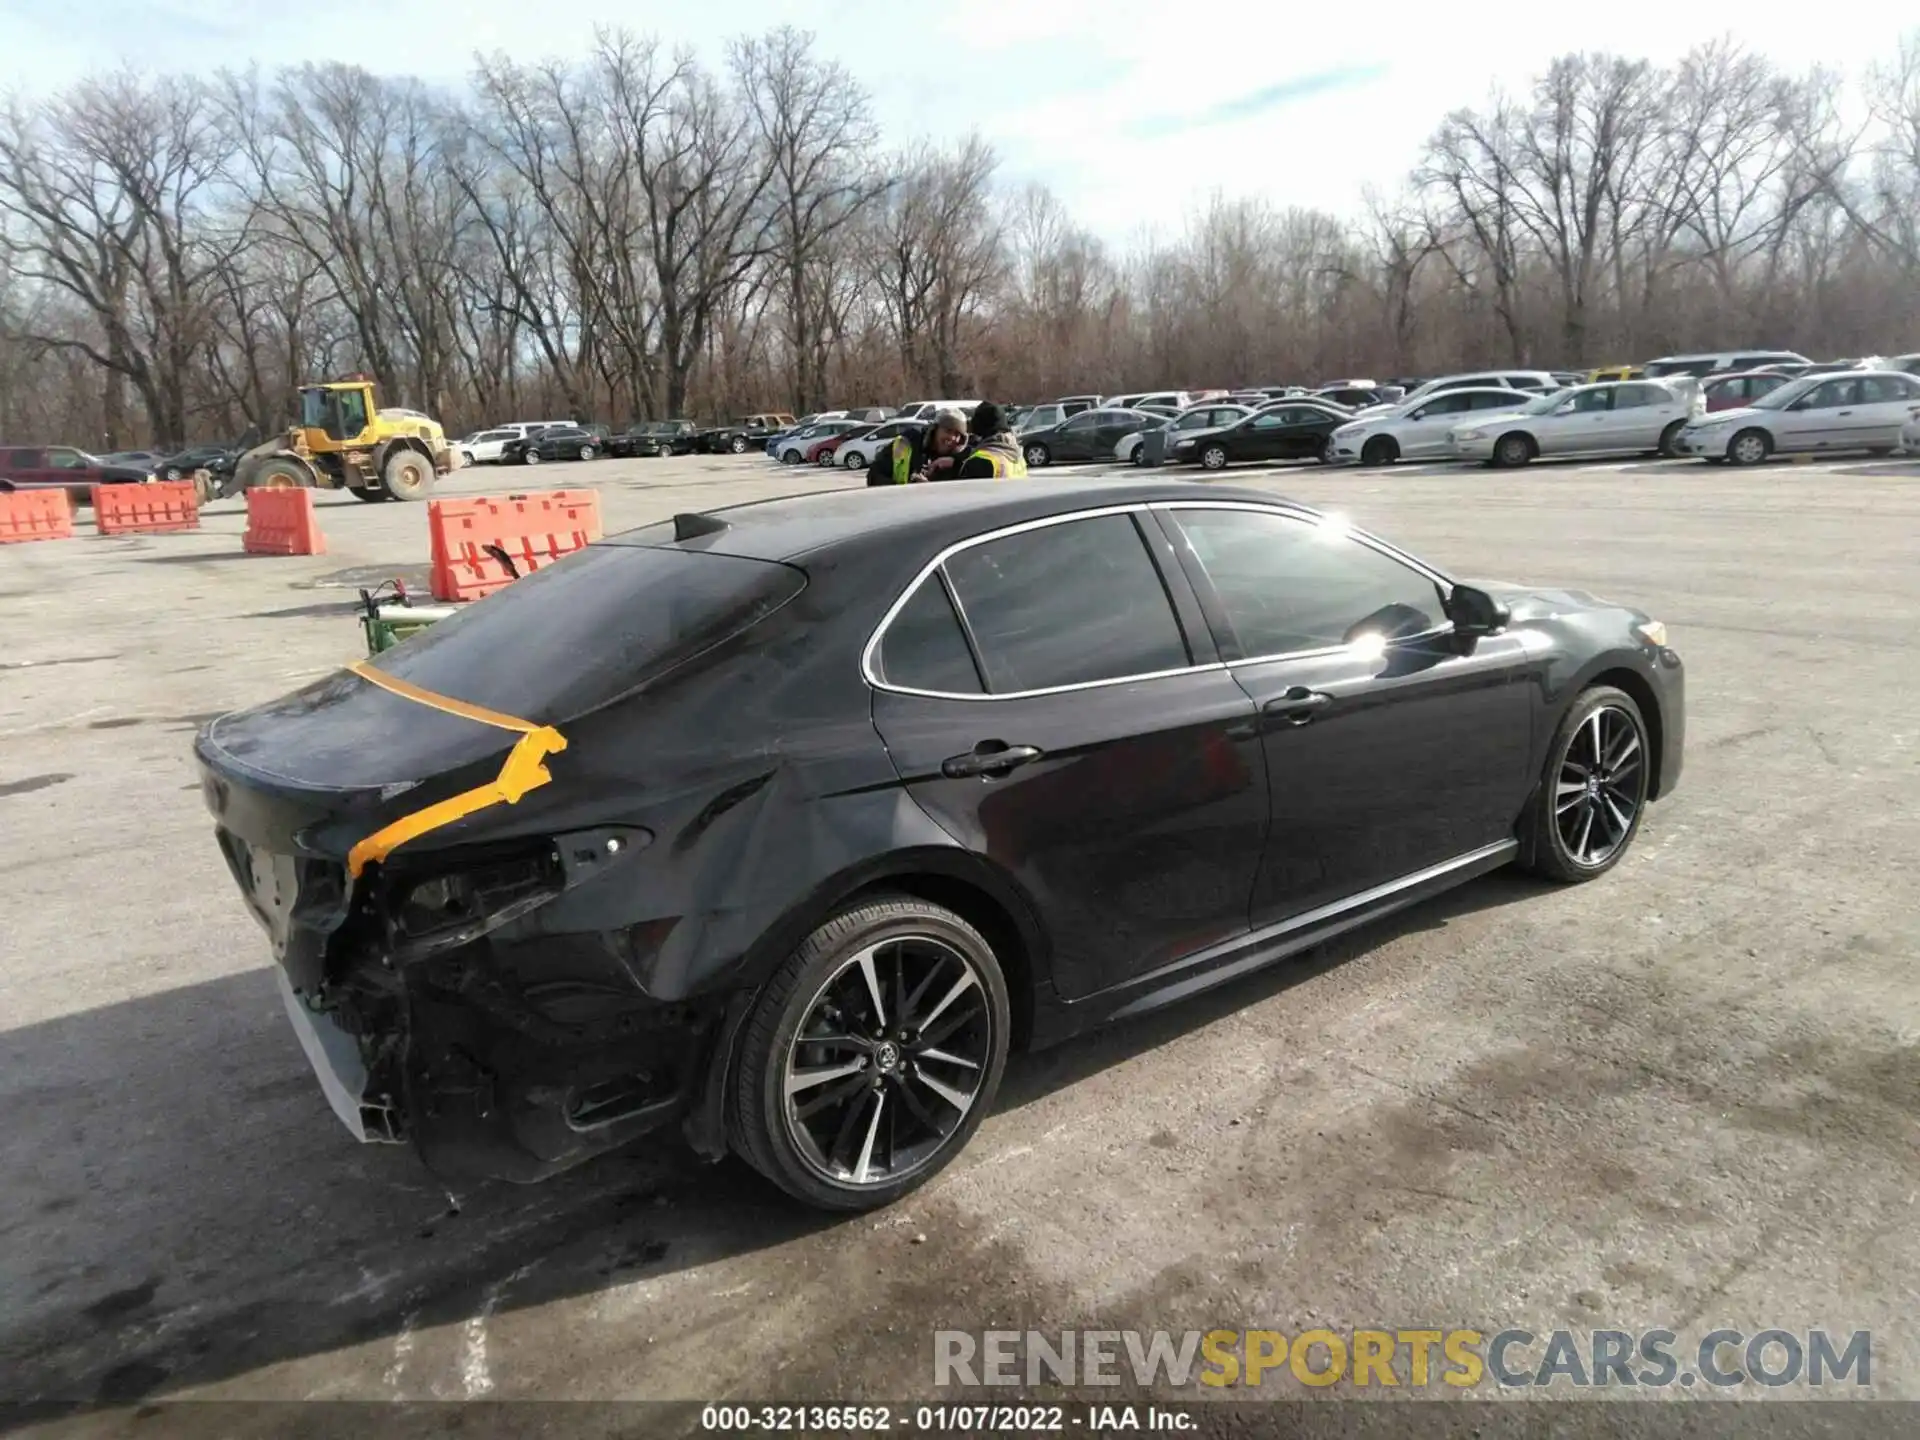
column 458, row 907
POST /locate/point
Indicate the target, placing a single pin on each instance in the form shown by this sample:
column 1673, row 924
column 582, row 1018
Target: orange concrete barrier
column 282, row 522
column 157, row 508
column 482, row 543
column 35, row 515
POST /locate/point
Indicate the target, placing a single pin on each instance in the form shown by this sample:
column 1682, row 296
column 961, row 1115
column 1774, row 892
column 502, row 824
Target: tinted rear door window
column 1067, row 604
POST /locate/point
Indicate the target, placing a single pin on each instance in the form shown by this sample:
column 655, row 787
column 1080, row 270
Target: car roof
column 797, row 526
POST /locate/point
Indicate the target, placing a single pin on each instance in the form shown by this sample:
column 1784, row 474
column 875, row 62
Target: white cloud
column 1086, row 95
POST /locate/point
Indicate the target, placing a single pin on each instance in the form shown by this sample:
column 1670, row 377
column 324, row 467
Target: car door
column 1052, row 708
column 1391, row 747
column 1819, row 419
column 1578, row 426
column 1424, row 431
column 1638, row 415
column 1077, row 438
column 1885, row 404
column 1116, row 424
column 1264, row 437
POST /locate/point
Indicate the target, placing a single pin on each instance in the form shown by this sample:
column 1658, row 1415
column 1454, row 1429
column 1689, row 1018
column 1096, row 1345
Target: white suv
column 484, row 447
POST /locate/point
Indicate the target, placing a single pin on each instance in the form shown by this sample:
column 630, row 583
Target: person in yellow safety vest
column 996, row 453
column 931, row 454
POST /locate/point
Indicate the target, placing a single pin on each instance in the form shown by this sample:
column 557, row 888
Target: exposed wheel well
column 1634, row 684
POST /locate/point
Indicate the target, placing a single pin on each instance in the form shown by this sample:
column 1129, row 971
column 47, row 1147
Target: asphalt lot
column 1687, row 1095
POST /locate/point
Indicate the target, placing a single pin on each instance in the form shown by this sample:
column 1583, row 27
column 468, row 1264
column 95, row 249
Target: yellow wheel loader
column 343, row 440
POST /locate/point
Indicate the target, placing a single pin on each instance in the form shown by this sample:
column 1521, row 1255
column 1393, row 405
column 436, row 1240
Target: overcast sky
column 1132, row 112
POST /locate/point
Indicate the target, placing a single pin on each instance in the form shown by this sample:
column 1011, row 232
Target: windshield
column 1781, row 396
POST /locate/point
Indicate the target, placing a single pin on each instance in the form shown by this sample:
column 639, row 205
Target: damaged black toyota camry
column 783, row 823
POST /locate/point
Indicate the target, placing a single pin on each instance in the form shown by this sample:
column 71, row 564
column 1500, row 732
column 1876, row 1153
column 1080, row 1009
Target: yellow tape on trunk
column 524, row 770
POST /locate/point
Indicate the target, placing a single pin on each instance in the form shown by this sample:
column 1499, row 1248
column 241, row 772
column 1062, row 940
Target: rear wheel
column 1667, row 438
column 531, row 457
column 1593, row 791
column 1515, row 449
column 1750, row 447
column 408, row 475
column 1325, row 453
column 1380, row 450
column 738, row 445
column 466, row 457
column 872, row 1055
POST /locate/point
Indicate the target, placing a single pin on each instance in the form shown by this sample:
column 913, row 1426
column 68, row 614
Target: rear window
column 580, row 633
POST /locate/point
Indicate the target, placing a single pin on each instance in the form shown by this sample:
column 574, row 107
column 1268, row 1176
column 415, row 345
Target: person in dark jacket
column 994, row 451
column 921, row 455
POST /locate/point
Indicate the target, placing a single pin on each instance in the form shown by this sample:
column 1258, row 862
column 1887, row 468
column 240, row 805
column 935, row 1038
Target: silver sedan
column 1418, row 429
column 1621, row 417
column 1862, row 410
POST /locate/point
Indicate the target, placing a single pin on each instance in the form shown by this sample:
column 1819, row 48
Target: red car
column 62, row 467
column 821, row 452
column 1732, row 392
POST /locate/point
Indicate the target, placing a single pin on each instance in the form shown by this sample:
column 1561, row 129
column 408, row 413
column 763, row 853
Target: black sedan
column 1283, row 432
column 735, row 823
column 1090, row 435
column 556, row 442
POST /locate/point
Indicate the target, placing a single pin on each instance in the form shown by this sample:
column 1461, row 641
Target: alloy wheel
column 888, row 1061
column 1601, row 786
column 1748, row 448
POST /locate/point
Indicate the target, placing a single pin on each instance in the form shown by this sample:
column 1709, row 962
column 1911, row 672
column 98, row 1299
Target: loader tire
column 408, row 475
column 281, row 473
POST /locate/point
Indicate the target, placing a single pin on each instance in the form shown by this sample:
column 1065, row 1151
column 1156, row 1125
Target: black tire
column 770, row 1133
column 1513, row 450
column 372, row 494
column 1574, row 792
column 854, row 461
column 281, row 473
column 738, row 445
column 466, row 459
column 1380, row 450
column 407, row 475
column 531, row 457
column 1038, row 457
column 1138, row 455
column 791, row 457
column 1749, row 447
column 587, row 452
column 1667, row 436
column 1213, row 457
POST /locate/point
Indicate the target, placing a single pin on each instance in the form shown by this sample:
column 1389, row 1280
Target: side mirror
column 1475, row 612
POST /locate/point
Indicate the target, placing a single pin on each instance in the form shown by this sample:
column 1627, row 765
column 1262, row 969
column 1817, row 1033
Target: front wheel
column 825, row 462
column 1593, row 791
column 790, row 457
column 1038, row 457
column 738, row 445
column 371, row 494
column 1214, row 457
column 855, row 461
column 587, row 452
column 532, row 457
column 1750, row 447
column 466, row 458
column 872, row 1055
column 1380, row 450
column 408, row 475
column 1514, row 450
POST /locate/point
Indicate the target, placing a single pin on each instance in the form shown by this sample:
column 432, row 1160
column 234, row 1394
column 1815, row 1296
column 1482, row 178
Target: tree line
column 641, row 234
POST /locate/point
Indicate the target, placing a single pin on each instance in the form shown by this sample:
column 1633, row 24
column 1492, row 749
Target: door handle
column 1843, row 412
column 989, row 757
column 1298, row 705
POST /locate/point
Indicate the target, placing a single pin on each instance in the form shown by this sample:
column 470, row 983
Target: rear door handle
column 1298, row 705
column 989, row 757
